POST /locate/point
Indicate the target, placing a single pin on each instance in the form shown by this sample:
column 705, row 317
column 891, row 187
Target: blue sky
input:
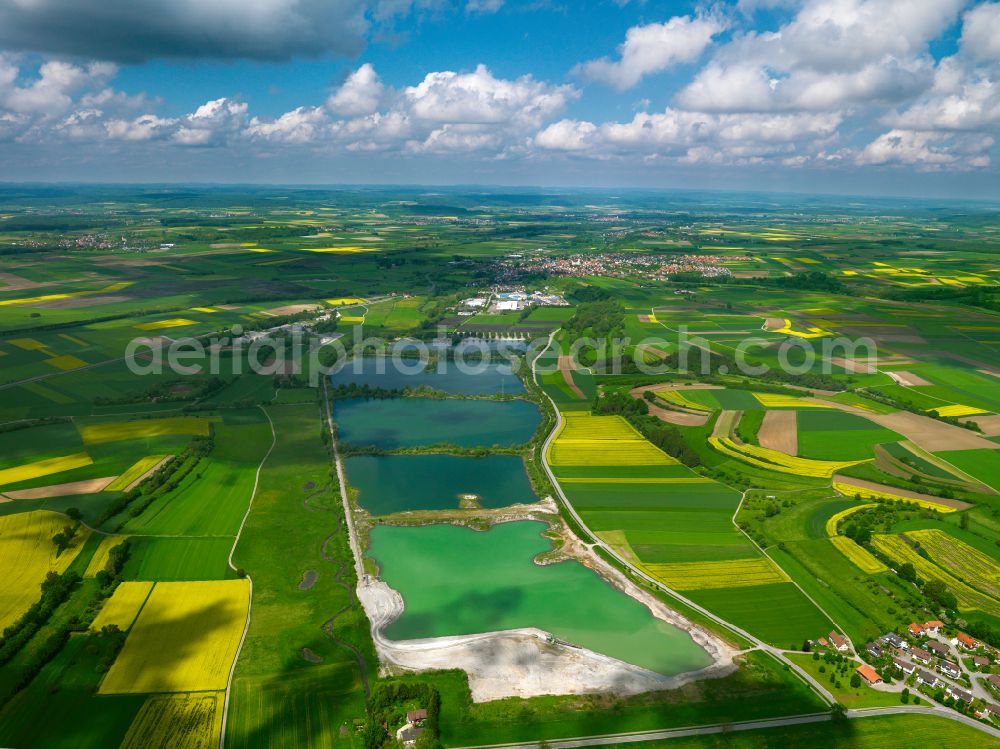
column 885, row 96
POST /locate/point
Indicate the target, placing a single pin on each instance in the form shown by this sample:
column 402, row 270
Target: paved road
column 748, row 725
column 670, row 733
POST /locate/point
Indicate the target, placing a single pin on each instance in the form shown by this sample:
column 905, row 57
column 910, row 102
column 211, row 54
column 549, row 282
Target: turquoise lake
column 481, row 379
column 457, row 581
column 396, row 483
column 411, row 422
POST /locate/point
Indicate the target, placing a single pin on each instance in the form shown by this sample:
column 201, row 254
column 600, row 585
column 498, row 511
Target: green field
column 982, row 464
column 294, row 527
column 777, row 613
column 835, row 435
column 178, row 559
column 214, row 497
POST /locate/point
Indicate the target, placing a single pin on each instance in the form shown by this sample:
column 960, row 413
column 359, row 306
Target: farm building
column 869, row 674
column 408, row 734
column 839, row 642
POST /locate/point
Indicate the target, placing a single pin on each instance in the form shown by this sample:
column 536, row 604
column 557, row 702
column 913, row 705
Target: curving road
column 777, row 653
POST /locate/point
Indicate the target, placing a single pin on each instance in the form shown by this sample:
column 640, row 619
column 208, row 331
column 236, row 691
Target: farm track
column 229, row 561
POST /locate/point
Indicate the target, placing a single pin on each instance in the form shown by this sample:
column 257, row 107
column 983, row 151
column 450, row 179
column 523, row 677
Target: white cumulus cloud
column 360, row 94
column 653, row 48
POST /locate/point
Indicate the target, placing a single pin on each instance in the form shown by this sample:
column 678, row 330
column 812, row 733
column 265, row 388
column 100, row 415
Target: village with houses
column 928, row 660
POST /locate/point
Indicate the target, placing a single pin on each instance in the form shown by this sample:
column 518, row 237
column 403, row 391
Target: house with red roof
column 966, row 642
column 839, row 642
column 869, row 674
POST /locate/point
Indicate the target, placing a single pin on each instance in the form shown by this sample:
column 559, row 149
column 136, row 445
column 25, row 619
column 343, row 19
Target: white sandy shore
column 529, row 662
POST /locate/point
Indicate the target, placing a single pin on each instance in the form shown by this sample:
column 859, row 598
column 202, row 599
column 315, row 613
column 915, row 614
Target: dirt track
column 566, row 367
column 779, row 431
column 908, row 379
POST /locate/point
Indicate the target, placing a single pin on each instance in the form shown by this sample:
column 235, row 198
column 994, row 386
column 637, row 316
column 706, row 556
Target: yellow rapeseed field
column 66, row 362
column 586, row 440
column 773, row 460
column 587, row 427
column 28, row 344
column 344, row 301
column 735, row 573
column 607, row 453
column 123, row 606
column 134, row 472
column 678, row 398
column 968, row 597
column 175, row 322
column 27, row 555
column 184, row 640
column 45, row 467
column 776, row 400
column 858, row 555
column 977, row 569
column 958, row 410
column 640, row 480
column 850, row 490
column 812, row 332
column 100, row 559
column 192, row 721
column 833, row 522
column 114, row 431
